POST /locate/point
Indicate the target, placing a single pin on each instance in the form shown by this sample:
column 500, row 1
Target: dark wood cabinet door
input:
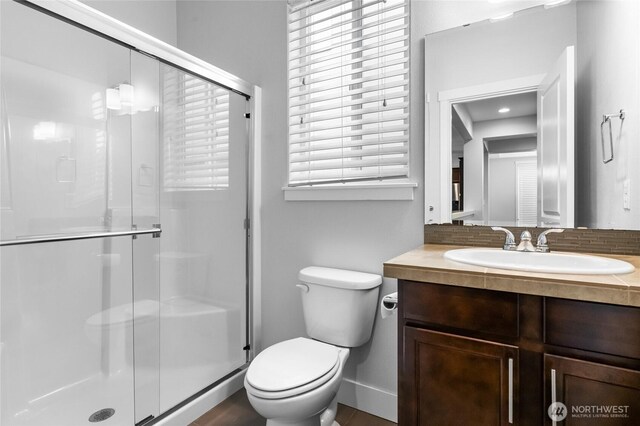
column 593, row 394
column 453, row 380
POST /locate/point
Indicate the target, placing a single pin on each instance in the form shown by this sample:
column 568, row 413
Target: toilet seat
column 291, row 368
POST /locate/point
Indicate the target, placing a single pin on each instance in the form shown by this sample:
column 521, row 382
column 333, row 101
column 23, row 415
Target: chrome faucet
column 542, row 245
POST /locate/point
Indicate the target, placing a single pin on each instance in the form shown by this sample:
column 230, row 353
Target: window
column 195, row 132
column 348, row 91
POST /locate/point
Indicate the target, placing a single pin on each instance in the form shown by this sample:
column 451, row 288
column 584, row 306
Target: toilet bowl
column 296, row 382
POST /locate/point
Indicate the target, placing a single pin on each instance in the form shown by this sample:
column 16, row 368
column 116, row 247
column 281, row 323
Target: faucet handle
column 542, row 245
column 510, row 240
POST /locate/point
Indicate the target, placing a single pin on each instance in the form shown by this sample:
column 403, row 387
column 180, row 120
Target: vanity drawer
column 491, row 312
column 596, row 327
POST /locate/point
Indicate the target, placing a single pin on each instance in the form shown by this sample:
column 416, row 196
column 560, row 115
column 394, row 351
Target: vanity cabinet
column 458, row 379
column 590, row 389
column 483, row 357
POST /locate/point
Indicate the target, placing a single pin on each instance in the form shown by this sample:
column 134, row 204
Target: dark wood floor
column 237, row 411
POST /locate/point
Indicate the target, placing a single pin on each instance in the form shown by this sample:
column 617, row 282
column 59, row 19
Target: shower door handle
column 74, row 237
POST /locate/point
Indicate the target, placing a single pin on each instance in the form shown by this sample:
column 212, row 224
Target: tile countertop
column 427, row 264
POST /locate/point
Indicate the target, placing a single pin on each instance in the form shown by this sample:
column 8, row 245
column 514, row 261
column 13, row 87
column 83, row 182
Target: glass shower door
column 67, row 341
column 203, row 205
column 66, row 338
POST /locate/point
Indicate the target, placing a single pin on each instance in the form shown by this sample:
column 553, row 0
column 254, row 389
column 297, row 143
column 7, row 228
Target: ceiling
column 444, row 14
column 520, row 105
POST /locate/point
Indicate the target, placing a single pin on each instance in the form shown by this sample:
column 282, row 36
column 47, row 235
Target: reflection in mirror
column 514, row 112
column 500, row 135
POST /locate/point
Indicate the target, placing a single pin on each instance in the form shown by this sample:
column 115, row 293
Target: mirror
column 523, row 117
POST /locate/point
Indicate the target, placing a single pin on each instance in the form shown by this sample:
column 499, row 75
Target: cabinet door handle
column 511, row 390
column 553, row 391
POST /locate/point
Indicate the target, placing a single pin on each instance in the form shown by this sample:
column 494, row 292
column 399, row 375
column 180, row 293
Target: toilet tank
column 339, row 306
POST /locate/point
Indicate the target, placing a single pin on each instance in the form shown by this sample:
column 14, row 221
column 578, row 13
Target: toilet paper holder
column 390, row 301
column 388, row 304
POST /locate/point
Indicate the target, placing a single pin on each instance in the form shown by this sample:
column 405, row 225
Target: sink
column 558, row 263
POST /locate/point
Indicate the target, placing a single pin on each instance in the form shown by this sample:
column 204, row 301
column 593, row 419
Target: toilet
column 296, row 382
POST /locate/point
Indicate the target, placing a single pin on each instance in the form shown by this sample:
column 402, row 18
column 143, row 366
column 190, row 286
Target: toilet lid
column 291, row 364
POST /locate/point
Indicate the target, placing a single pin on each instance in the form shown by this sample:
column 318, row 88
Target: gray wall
column 608, row 73
column 249, row 39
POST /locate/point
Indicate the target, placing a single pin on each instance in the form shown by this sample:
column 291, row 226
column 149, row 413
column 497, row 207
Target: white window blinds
column 195, row 132
column 348, row 90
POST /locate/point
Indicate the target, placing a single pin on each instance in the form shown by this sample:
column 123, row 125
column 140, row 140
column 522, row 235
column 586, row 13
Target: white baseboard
column 204, row 403
column 367, row 398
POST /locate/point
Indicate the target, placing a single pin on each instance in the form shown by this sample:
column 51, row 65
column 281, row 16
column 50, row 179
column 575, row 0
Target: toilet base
column 311, row 421
column 325, row 418
column 314, row 421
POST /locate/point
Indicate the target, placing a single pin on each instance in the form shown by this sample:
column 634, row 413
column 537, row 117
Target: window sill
column 364, row 191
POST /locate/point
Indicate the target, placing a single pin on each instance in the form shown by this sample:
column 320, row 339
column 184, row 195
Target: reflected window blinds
column 195, row 132
column 348, row 90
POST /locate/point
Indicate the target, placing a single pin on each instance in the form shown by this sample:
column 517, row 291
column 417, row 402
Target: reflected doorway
column 494, row 160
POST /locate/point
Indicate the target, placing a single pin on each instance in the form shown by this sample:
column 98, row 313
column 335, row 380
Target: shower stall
column 125, row 283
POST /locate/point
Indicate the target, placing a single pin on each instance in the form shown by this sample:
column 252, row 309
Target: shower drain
column 101, row 415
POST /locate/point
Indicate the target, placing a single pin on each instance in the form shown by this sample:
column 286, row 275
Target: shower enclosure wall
column 124, row 202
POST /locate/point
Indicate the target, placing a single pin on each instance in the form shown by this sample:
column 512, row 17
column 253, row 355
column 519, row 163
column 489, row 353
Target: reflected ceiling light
column 501, row 17
column 145, row 99
column 113, row 99
column 497, row 1
column 126, row 94
column 554, row 3
column 120, row 97
column 44, row 130
column 504, row 110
